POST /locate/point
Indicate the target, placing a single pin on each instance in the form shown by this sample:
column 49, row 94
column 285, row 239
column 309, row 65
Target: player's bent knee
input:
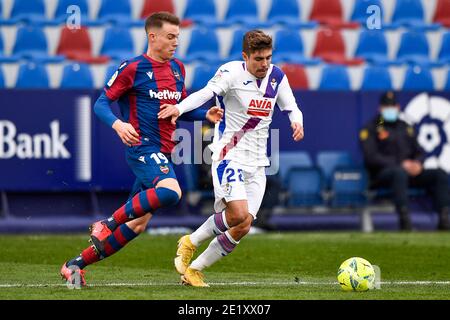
column 167, row 197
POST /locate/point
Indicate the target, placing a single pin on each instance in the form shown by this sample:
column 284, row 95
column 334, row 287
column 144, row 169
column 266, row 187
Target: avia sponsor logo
column 26, row 146
column 259, row 107
column 165, row 95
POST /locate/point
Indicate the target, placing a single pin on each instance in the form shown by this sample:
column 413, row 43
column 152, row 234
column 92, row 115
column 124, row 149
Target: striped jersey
column 141, row 85
column 248, row 105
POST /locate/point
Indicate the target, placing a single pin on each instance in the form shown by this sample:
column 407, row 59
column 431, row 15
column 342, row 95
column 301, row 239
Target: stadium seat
column 76, row 76
column 203, row 46
column 296, row 74
column 372, row 46
column 2, row 80
column 444, row 52
column 329, row 12
column 32, row 76
column 349, row 186
column 61, row 10
column 334, row 78
column 288, row 160
column 76, row 45
column 330, row 47
column 289, row 48
column 201, row 12
column 305, row 186
column 243, row 13
column 31, row 43
column 414, row 48
column 28, row 11
column 151, row 6
column 410, row 13
column 235, row 52
column 287, row 13
column 117, row 12
column 328, row 161
column 118, row 44
column 442, row 13
column 202, row 74
column 360, row 14
column 376, row 78
column 418, row 78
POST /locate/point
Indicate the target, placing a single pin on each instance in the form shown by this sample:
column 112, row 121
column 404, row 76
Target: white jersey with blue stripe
column 248, row 105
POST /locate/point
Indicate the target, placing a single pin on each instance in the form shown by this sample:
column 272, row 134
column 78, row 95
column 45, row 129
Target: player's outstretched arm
column 195, row 100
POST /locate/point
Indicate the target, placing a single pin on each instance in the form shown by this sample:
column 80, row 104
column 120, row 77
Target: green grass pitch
column 290, row 266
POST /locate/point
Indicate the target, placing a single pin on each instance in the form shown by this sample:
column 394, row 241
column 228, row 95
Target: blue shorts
column 150, row 166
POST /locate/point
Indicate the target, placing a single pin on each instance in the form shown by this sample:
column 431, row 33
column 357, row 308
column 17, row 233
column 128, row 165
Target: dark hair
column 388, row 99
column 256, row 40
column 157, row 19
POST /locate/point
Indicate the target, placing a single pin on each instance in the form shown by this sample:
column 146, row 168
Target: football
column 356, row 274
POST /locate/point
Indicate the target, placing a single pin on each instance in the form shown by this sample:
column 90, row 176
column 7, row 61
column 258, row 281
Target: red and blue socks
column 144, row 202
column 116, row 241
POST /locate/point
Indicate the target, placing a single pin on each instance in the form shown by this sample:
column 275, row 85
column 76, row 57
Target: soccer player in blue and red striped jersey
column 141, row 85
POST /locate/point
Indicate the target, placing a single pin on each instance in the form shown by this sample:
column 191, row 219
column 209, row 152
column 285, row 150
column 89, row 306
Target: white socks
column 219, row 247
column 215, row 225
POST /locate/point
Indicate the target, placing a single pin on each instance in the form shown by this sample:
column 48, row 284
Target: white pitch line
column 150, row 284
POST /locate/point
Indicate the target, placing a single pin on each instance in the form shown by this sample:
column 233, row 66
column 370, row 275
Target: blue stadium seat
column 28, row 11
column 418, row 78
column 410, row 13
column 31, row 43
column 444, row 52
column 203, row 46
column 349, row 186
column 76, row 76
column 235, row 52
column 289, row 48
column 287, row 13
column 118, row 44
column 414, row 48
column 201, row 12
column 372, row 46
column 244, row 13
column 376, row 78
column 202, row 74
column 334, row 78
column 288, row 160
column 328, row 161
column 360, row 14
column 32, row 76
column 2, row 81
column 305, row 186
column 61, row 10
column 117, row 12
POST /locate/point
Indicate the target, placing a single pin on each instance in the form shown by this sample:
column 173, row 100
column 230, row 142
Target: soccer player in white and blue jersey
column 248, row 92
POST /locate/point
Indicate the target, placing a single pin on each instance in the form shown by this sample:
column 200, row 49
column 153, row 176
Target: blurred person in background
column 394, row 160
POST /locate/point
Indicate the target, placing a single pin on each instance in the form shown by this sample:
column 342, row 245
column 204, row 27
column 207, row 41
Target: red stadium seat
column 296, row 75
column 442, row 13
column 151, row 6
column 329, row 12
column 330, row 47
column 76, row 45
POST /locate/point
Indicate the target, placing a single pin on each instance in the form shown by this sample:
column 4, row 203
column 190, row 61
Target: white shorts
column 234, row 181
